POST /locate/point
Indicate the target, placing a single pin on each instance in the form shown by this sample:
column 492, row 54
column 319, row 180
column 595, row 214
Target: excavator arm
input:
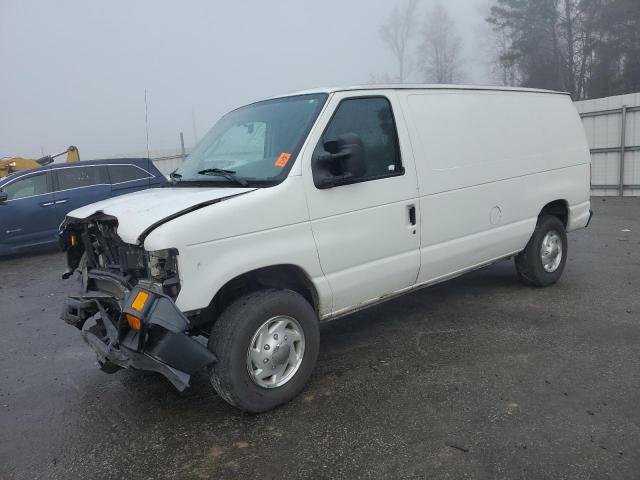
column 10, row 165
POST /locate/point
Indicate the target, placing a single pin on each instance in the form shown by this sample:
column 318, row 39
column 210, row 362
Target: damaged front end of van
column 126, row 311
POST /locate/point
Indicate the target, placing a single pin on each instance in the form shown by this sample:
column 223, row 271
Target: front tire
column 542, row 261
column 267, row 344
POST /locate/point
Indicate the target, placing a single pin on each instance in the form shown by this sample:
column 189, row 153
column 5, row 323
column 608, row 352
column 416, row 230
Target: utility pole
column 182, row 146
column 146, row 120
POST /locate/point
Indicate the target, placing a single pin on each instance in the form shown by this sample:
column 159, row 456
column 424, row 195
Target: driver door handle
column 47, row 204
column 58, row 202
column 412, row 215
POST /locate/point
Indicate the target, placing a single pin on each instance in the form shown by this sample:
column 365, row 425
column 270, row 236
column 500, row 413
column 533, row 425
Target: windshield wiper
column 228, row 174
column 174, row 176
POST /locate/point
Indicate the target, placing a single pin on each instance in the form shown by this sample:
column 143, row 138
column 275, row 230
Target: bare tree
column 439, row 52
column 398, row 33
column 577, row 23
column 496, row 50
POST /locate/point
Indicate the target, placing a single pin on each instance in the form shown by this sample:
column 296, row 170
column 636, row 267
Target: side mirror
column 3, row 197
column 342, row 163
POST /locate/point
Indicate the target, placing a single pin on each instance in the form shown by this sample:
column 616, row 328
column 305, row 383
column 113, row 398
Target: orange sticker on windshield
column 283, row 159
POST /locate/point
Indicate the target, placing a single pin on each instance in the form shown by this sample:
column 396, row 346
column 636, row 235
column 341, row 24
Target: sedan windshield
column 253, row 145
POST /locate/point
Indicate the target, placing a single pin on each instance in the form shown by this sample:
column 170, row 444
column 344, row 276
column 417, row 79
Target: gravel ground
column 479, row 377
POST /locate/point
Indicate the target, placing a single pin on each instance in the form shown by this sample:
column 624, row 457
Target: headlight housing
column 162, row 268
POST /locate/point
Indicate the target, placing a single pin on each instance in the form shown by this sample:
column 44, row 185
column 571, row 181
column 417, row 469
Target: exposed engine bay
column 93, row 245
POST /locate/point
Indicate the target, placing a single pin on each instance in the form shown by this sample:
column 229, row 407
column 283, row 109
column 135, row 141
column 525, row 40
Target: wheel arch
column 285, row 276
column 557, row 208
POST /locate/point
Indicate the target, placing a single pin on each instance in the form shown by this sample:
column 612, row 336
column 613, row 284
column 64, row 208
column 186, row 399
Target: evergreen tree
column 550, row 42
column 616, row 67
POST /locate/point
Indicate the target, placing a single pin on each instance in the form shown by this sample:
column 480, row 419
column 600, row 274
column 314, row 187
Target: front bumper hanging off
column 161, row 345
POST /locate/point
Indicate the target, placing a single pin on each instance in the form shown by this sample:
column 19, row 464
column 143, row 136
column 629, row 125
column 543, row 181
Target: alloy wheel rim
column 275, row 352
column 551, row 251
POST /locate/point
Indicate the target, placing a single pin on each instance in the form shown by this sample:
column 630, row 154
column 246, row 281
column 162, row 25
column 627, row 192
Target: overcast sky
column 75, row 72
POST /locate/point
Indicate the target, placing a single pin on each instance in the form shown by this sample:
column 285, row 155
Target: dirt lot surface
column 479, row 377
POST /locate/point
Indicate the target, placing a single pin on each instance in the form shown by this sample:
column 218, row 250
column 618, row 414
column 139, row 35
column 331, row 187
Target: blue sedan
column 33, row 203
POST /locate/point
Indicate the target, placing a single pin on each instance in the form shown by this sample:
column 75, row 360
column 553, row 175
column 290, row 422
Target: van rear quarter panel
column 487, row 162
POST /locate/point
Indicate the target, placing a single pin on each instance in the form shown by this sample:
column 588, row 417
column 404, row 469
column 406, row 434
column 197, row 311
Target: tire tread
column 227, row 331
column 527, row 262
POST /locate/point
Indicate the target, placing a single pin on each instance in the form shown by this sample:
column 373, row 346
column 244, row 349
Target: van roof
column 419, row 86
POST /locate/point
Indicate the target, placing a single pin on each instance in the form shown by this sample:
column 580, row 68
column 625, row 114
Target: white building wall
column 602, row 119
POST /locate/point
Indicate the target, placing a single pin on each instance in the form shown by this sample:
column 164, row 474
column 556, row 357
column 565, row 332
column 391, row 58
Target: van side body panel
column 487, row 163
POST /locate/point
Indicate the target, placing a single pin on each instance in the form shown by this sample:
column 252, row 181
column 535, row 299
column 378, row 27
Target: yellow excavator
column 10, row 165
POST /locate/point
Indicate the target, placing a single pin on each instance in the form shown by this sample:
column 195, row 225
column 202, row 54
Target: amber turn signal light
column 134, row 322
column 140, row 300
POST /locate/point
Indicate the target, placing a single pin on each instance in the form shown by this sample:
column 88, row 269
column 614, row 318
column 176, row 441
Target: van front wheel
column 267, row 345
column 542, row 261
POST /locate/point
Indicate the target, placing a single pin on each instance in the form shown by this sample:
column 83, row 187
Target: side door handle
column 412, row 214
column 47, row 204
column 58, row 202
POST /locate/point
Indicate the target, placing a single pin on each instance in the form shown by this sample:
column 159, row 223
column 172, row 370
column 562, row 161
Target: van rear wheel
column 542, row 261
column 267, row 345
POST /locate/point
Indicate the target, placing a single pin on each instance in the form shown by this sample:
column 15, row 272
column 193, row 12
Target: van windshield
column 254, row 145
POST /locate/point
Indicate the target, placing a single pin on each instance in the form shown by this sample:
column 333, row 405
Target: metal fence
column 167, row 164
column 612, row 126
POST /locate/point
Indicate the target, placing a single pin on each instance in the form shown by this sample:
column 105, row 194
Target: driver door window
column 371, row 119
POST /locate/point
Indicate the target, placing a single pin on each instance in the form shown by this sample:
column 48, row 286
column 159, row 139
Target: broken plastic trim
column 165, row 344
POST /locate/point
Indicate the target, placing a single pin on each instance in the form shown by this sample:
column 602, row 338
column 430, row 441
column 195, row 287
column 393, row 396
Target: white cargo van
column 307, row 207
